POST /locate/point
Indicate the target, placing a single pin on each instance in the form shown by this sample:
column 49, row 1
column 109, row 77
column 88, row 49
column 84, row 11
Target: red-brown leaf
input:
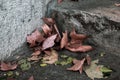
column 59, row 1
column 117, row 4
column 75, row 36
column 78, row 65
column 36, row 53
column 36, row 36
column 48, row 21
column 46, row 29
column 7, row 66
column 64, row 40
column 84, row 48
column 31, row 78
column 49, row 42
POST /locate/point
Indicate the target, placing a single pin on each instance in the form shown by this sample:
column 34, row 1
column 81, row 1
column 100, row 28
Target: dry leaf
column 49, row 42
column 59, row 1
column 117, row 4
column 36, row 36
column 46, row 29
column 57, row 32
column 78, row 65
column 51, row 59
column 75, row 36
column 64, row 40
column 34, row 58
column 48, row 21
column 83, row 48
column 7, row 66
column 47, row 52
column 36, row 53
column 92, row 71
column 31, row 78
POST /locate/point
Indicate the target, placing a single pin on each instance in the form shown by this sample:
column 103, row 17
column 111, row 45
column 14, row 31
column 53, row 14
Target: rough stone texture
column 17, row 19
column 101, row 23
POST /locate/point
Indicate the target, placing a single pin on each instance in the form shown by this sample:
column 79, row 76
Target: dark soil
column 58, row 72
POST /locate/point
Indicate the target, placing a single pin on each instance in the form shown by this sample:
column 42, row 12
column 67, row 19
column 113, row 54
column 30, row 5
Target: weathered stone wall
column 17, row 19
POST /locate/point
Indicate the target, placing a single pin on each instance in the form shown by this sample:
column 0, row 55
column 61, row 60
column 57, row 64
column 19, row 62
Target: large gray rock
column 17, row 19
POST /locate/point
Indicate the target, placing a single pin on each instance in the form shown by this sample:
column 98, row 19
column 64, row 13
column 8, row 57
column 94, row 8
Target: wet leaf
column 31, row 78
column 49, row 42
column 36, row 36
column 48, row 21
column 46, row 29
column 92, row 71
column 51, row 59
column 7, row 66
column 78, row 65
column 105, row 70
column 64, row 40
column 83, row 48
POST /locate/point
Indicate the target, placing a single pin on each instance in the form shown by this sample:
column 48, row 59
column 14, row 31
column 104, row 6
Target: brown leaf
column 34, row 58
column 36, row 36
column 117, row 4
column 49, row 42
column 36, row 53
column 59, row 1
column 47, row 52
column 48, row 21
column 7, row 66
column 64, row 40
column 46, row 29
column 75, row 36
column 57, row 32
column 51, row 59
column 83, row 48
column 88, row 58
column 31, row 78
column 78, row 65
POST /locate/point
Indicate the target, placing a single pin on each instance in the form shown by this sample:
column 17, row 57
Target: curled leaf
column 117, row 4
column 46, row 29
column 84, row 48
column 78, row 65
column 36, row 36
column 7, row 66
column 48, row 21
column 64, row 40
column 49, row 42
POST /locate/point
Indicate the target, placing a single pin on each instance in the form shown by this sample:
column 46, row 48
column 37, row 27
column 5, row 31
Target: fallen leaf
column 83, row 48
column 88, row 58
column 46, row 29
column 36, row 36
column 78, row 65
column 36, row 53
column 48, row 21
column 34, row 58
column 49, row 42
column 51, row 59
column 47, row 52
column 64, row 40
column 92, row 71
column 75, row 36
column 31, row 78
column 7, row 66
column 43, row 65
column 11, row 79
column 59, row 1
column 117, row 4
column 57, row 32
column 105, row 70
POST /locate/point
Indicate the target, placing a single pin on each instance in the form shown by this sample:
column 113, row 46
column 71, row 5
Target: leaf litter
column 46, row 44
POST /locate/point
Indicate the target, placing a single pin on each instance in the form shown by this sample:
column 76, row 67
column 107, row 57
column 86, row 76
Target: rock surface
column 17, row 19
